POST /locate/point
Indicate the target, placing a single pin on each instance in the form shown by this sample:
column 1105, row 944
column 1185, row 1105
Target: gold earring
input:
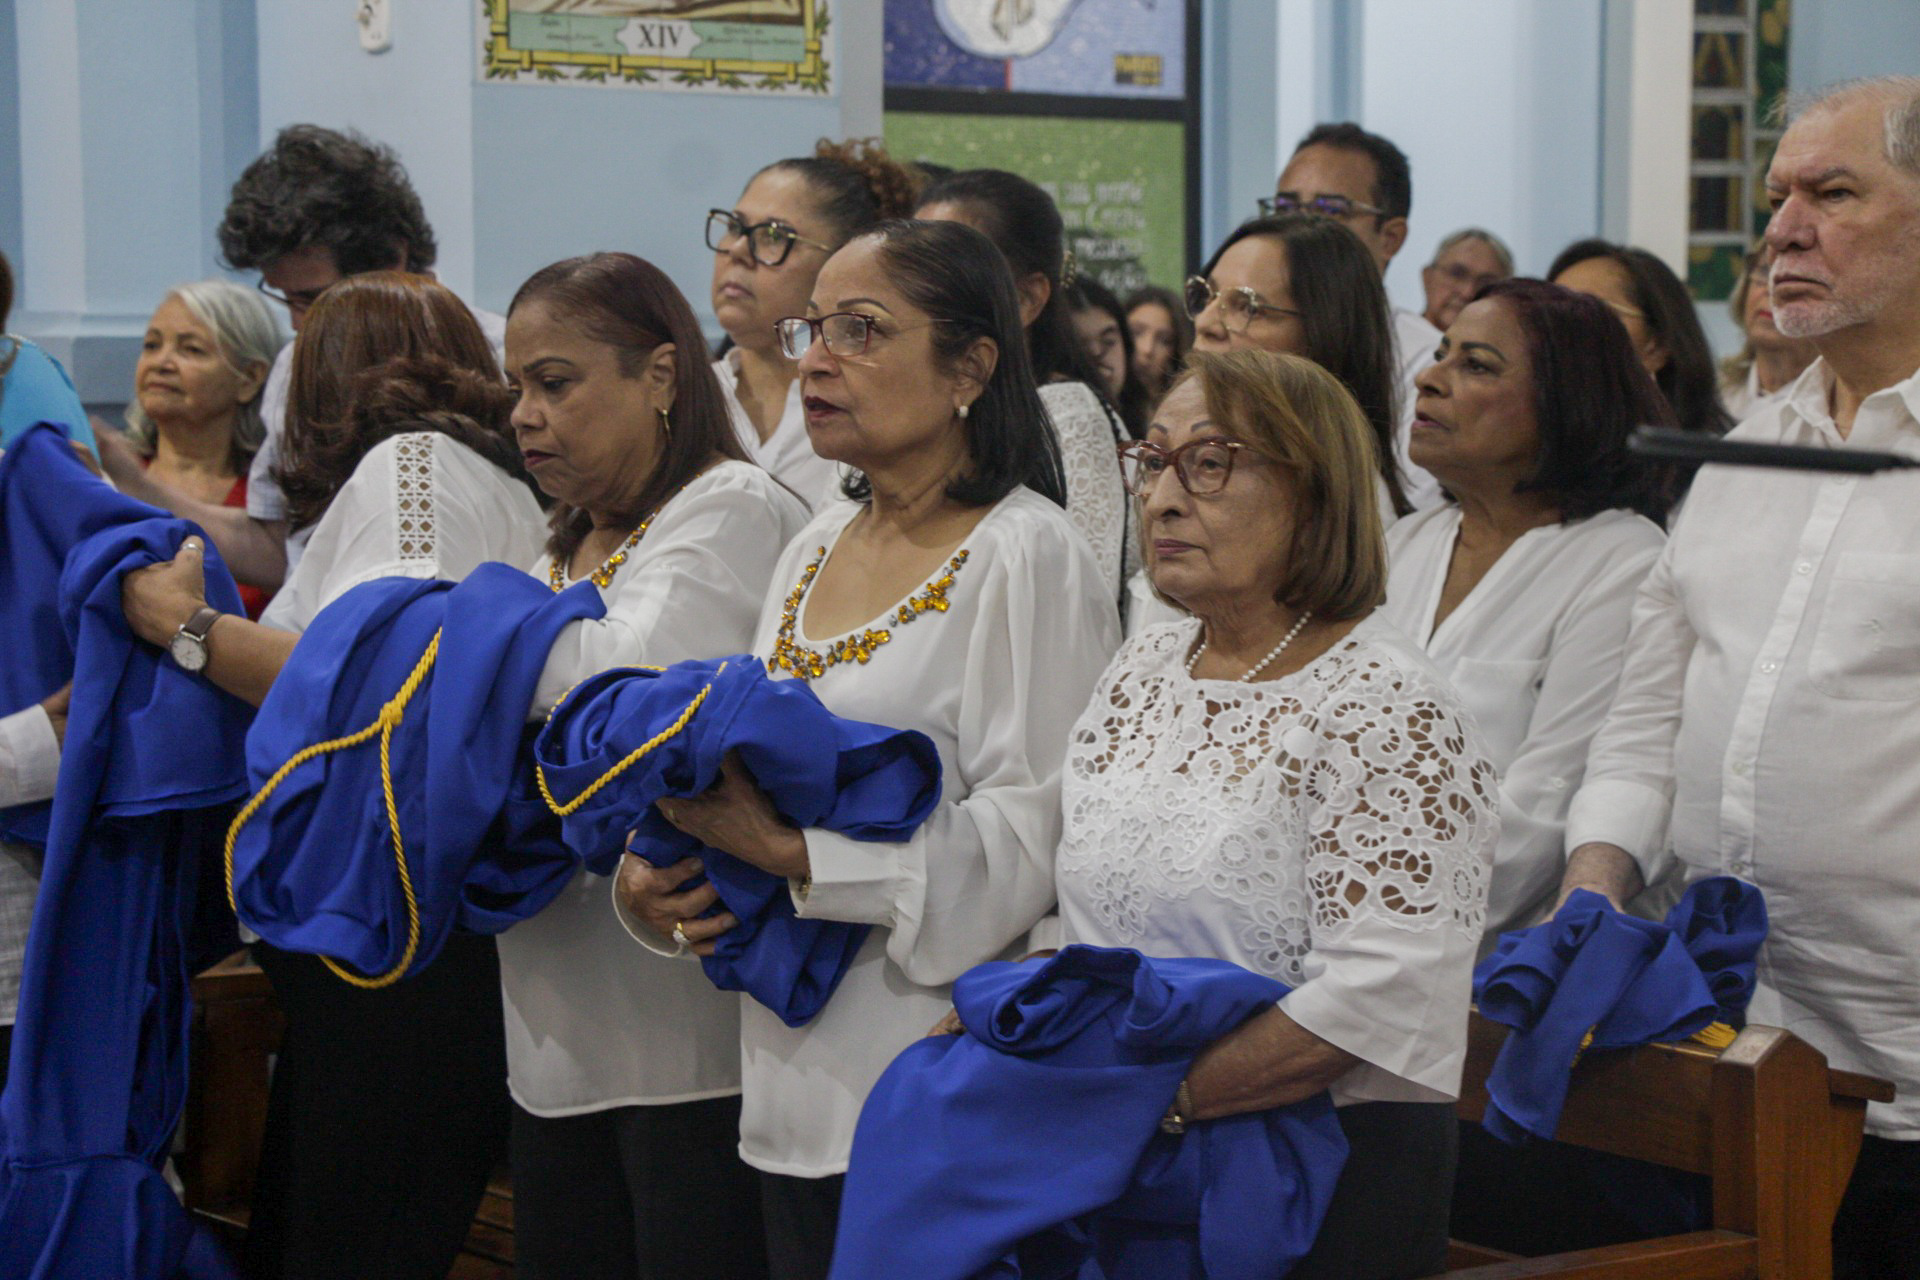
column 666, row 424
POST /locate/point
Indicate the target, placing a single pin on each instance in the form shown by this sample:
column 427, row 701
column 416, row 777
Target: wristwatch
column 189, row 643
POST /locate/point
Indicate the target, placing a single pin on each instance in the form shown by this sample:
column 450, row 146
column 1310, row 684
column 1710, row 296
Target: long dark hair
column 627, row 303
column 957, row 276
column 380, row 354
column 1589, row 392
column 1344, row 313
column 1025, row 225
column 1135, row 403
column 1153, row 295
column 1689, row 379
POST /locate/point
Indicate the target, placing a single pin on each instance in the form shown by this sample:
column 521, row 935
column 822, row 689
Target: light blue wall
column 10, row 143
column 1841, row 39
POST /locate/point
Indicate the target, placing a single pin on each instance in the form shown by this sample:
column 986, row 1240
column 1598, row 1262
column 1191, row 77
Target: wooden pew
column 1776, row 1130
column 237, row 1027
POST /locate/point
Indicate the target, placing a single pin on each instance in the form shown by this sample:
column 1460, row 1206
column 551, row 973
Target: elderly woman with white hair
column 1466, row 262
column 195, row 419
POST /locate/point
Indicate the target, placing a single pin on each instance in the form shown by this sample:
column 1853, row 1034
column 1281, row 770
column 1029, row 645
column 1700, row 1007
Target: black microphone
column 1687, row 446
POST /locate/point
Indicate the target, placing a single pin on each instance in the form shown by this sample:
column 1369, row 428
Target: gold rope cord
column 632, row 758
column 384, row 724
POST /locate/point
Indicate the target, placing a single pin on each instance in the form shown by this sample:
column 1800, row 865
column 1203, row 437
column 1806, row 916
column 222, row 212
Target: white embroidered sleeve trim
column 413, row 496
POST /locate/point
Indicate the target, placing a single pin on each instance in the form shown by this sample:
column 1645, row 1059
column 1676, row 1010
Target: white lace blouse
column 1096, row 495
column 419, row 505
column 594, row 1022
column 1332, row 829
column 995, row 681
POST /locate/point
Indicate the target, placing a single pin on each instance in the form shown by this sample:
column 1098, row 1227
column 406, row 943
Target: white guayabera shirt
column 1768, row 727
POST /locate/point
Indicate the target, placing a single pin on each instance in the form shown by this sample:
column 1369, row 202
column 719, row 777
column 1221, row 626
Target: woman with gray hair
column 195, row 418
column 1465, row 263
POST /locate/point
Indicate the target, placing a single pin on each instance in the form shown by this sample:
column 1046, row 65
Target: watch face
column 188, row 653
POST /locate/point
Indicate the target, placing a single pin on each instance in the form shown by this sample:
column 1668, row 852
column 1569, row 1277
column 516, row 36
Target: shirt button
column 1769, row 667
column 1805, row 566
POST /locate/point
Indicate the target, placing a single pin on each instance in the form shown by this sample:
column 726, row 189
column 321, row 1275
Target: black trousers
column 636, row 1193
column 1388, row 1219
column 802, row 1215
column 387, row 1114
column 1877, row 1233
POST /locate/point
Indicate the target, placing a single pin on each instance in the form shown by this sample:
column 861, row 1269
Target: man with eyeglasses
column 1358, row 178
column 316, row 207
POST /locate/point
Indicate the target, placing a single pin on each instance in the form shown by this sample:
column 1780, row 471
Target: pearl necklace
column 1261, row 665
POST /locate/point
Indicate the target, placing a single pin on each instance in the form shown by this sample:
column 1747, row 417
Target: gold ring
column 680, row 933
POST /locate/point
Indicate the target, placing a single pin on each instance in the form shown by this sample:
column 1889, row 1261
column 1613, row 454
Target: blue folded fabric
column 149, row 769
column 1030, row 1147
column 314, row 867
column 1596, row 978
column 860, row 780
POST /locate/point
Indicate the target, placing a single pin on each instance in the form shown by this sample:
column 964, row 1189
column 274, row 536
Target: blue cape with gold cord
column 623, row 739
column 1596, row 978
column 383, row 762
column 1030, row 1146
column 149, row 769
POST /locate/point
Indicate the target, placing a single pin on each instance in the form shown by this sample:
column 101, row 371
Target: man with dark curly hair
column 317, row 206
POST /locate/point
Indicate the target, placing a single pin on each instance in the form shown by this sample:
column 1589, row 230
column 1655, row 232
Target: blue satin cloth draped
column 1626, row 981
column 1030, row 1146
column 861, row 780
column 149, row 768
column 314, row 867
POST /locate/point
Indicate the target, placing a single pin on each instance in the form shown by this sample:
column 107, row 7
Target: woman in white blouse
column 767, row 250
column 1302, row 285
column 389, row 1107
column 625, row 1068
column 1024, row 223
column 951, row 597
column 1283, row 781
column 1521, row 587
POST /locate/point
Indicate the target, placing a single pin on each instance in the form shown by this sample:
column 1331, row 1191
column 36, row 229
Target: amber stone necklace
column 811, row 664
column 603, row 576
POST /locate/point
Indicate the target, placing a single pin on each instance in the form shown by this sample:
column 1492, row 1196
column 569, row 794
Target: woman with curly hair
column 767, row 250
column 389, row 1106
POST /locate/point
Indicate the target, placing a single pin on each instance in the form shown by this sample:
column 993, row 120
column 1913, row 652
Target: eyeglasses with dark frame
column 297, row 299
column 846, row 333
column 1241, row 306
column 769, row 242
column 1327, row 206
column 1203, row 467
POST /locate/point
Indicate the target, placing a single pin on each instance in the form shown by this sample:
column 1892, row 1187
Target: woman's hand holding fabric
column 161, row 598
column 652, row 895
column 735, row 816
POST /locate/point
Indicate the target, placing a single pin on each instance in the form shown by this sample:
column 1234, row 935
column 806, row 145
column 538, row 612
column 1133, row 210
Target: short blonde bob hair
column 1294, row 412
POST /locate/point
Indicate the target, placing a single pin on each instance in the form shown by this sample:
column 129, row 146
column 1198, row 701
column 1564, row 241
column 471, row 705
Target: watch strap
column 201, row 623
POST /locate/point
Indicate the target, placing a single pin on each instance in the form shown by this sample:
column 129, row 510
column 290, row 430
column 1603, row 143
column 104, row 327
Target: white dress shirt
column 1414, row 340
column 996, row 682
column 1767, row 726
column 592, row 1023
column 29, row 763
column 1534, row 652
column 1744, row 398
column 1331, row 828
column 788, row 452
column 265, row 501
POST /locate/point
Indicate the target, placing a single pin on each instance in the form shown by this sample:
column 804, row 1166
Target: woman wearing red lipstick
column 1282, row 780
column 949, row 595
column 1769, row 361
column 767, row 250
column 625, row 1066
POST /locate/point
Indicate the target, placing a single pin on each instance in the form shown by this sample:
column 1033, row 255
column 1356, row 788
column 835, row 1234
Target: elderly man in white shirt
column 1767, row 724
column 1363, row 180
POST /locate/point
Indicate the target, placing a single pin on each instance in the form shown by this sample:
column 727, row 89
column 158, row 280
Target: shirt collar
column 1810, row 399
